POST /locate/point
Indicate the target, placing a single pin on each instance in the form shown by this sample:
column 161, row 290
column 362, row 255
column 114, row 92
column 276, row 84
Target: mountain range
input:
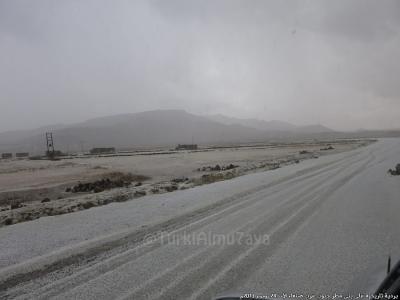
column 154, row 128
column 273, row 125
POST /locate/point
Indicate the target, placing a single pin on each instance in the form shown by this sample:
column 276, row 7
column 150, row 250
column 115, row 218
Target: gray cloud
column 330, row 62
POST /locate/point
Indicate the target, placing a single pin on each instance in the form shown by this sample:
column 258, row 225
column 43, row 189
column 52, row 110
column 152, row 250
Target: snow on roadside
column 49, row 238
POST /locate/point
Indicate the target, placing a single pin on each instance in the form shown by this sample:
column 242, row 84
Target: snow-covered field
column 330, row 224
column 31, row 189
column 28, row 174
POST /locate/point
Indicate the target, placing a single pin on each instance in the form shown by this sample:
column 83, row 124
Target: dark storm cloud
column 332, row 62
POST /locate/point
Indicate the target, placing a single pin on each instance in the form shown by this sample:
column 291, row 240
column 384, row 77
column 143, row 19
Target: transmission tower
column 50, row 144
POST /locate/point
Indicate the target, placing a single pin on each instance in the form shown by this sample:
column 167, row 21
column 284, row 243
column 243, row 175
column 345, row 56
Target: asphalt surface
column 324, row 230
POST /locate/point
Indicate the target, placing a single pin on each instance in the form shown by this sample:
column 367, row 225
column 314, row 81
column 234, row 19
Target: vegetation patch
column 109, row 181
column 217, row 168
column 214, row 177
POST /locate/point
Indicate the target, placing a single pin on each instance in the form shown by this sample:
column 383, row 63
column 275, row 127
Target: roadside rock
column 180, row 179
column 139, row 193
column 16, row 205
column 396, row 171
column 329, row 147
column 87, row 205
column 304, row 152
column 170, row 188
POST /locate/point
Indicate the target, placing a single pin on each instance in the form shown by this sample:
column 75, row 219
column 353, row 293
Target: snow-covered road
column 323, row 226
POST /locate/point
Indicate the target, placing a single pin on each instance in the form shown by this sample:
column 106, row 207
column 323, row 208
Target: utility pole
column 50, row 144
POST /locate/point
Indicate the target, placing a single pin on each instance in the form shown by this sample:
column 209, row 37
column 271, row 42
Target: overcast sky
column 331, row 62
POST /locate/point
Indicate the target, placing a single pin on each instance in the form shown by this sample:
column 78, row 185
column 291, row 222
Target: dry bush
column 125, row 176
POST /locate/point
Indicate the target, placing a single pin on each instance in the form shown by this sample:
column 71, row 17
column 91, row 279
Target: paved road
column 326, row 228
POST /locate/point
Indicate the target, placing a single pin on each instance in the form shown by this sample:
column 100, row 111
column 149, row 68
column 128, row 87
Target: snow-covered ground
column 298, row 206
column 31, row 189
column 36, row 238
column 29, row 174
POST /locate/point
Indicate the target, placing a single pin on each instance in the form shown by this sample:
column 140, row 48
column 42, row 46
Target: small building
column 110, row 150
column 6, row 155
column 186, row 147
column 21, row 154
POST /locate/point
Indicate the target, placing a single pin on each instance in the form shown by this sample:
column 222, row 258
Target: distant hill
column 151, row 128
column 165, row 128
column 273, row 125
column 316, row 128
